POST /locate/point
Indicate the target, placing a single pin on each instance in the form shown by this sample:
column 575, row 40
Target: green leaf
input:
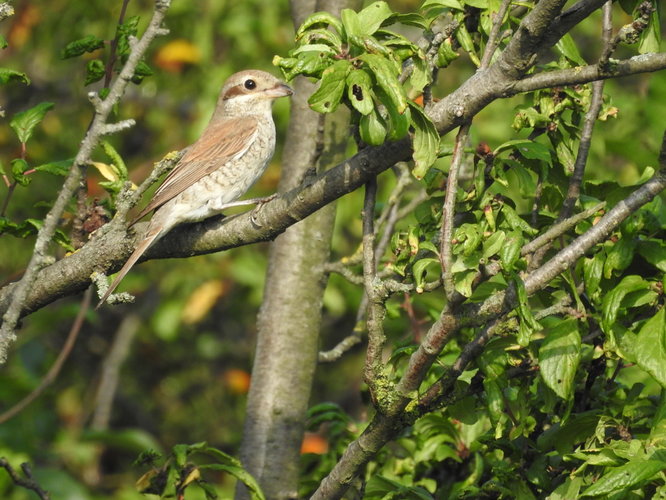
column 419, row 271
column 9, row 75
column 3, row 42
column 359, row 91
column 129, row 28
column 613, row 300
column 516, row 222
column 528, row 323
column 321, row 37
column 24, row 122
column 629, row 476
column 117, row 162
column 650, row 347
column 142, row 71
column 386, row 76
column 372, row 17
column 650, row 40
column 327, row 97
column 61, row 167
column 351, row 24
column 510, row 252
column 531, row 150
column 319, row 19
column 372, row 128
column 619, row 256
column 568, row 48
column 19, row 166
column 559, row 356
column 451, row 4
column 94, row 71
column 466, row 42
column 78, row 47
column 425, row 142
column 493, row 244
column 409, row 19
column 654, row 251
column 445, row 54
column 592, row 273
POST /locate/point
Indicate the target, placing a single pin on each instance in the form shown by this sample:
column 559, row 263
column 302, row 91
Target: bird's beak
column 280, row 90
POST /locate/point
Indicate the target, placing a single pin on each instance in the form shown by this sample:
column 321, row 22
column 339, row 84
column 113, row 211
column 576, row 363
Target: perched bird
column 221, row 165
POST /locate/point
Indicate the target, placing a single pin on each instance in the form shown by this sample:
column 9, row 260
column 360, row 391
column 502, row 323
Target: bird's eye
column 250, row 84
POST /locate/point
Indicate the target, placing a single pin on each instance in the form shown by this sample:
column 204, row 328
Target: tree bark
column 290, row 316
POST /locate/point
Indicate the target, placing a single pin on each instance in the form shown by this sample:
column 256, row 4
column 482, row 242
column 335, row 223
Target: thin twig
column 493, row 40
column 559, row 229
column 53, row 372
column 28, row 483
column 448, row 212
column 96, row 130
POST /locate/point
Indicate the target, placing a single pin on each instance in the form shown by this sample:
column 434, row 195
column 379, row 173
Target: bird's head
column 251, row 92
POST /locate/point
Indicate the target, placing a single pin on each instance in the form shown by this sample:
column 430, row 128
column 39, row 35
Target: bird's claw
column 260, row 204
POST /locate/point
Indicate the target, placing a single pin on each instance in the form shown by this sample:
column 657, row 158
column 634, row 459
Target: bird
column 229, row 156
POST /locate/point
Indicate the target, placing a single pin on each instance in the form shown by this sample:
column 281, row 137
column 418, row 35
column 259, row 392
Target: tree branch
column 97, row 128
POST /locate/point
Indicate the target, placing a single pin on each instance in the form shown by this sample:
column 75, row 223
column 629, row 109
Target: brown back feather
column 220, row 142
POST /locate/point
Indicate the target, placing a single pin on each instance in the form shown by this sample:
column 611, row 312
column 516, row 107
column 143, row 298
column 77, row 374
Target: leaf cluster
column 360, row 63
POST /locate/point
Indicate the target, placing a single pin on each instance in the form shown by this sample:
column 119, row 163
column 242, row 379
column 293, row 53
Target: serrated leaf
column 592, row 273
column 372, row 128
column 466, row 42
column 351, row 24
column 314, row 47
column 310, row 37
column 19, row 166
column 24, row 122
column 612, row 302
column 531, row 150
column 451, row 4
column 528, row 323
column 61, row 167
column 650, row 40
column 654, row 251
column 419, row 269
column 559, row 356
column 425, row 142
column 94, row 71
column 650, row 347
column 120, row 169
column 493, row 244
column 421, row 74
column 516, row 222
column 619, row 256
column 568, row 48
column 359, row 91
column 10, row 75
column 510, row 251
column 242, row 475
column 327, row 97
column 629, row 476
column 316, row 19
column 372, row 17
column 409, row 19
column 445, row 54
column 386, row 76
column 78, row 47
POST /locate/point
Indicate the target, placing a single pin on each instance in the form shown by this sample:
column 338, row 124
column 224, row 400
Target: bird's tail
column 150, row 238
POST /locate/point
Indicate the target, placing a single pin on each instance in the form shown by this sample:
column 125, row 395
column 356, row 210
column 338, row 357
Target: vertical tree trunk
column 290, row 316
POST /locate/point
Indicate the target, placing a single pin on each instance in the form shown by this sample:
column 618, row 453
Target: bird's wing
column 220, row 142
